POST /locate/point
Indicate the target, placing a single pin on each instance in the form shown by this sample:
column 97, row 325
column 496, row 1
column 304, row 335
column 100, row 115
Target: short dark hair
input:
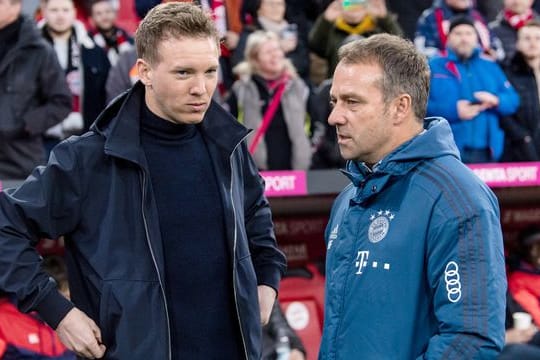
column 94, row 2
column 405, row 70
column 172, row 19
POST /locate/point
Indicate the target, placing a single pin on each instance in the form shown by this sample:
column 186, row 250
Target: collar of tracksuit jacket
column 119, row 123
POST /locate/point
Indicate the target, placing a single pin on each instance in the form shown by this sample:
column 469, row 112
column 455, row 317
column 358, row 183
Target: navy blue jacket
column 96, row 191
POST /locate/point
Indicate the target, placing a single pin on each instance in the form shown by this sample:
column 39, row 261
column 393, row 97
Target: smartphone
column 353, row 4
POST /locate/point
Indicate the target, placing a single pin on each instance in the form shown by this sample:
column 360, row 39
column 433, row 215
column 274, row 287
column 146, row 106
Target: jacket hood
column 119, row 124
column 436, row 141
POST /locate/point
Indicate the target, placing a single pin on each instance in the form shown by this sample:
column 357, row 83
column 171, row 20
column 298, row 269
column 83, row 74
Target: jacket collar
column 435, row 141
column 119, row 123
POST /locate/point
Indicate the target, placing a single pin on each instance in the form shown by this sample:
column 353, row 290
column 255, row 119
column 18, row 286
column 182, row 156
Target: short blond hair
column 172, row 19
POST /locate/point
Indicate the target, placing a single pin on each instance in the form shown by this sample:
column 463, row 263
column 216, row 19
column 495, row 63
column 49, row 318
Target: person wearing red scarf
column 512, row 17
column 112, row 39
column 270, row 98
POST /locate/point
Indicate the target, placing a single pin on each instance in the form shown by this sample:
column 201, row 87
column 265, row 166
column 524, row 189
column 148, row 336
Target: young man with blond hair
column 170, row 245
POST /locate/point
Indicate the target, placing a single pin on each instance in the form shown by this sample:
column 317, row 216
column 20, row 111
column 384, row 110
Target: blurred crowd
column 62, row 61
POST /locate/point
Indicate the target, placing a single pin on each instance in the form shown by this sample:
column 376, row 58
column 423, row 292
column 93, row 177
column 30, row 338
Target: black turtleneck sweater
column 198, row 276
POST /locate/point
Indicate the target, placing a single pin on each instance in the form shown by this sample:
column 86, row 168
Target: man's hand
column 487, row 99
column 231, row 40
column 81, row 335
column 296, row 355
column 267, row 296
column 467, row 110
column 333, row 11
column 519, row 336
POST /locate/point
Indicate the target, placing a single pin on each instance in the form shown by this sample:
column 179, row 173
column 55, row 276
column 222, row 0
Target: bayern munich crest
column 380, row 223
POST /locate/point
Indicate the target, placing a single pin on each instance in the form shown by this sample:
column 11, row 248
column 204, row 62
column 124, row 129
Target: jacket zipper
column 234, row 250
column 155, row 262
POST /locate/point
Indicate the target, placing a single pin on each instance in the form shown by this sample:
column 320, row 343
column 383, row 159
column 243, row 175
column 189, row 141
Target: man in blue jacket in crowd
column 170, row 246
column 415, row 266
column 471, row 92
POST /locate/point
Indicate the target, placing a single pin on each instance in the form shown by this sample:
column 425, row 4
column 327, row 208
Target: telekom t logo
column 361, row 261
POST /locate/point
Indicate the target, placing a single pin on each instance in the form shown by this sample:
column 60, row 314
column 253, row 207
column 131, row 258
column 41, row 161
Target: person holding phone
column 472, row 93
column 347, row 20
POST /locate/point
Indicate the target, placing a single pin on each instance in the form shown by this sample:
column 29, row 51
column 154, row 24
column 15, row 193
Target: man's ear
column 402, row 106
column 145, row 72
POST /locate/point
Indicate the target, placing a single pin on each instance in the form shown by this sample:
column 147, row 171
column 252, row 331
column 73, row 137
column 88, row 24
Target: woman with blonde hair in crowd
column 271, row 99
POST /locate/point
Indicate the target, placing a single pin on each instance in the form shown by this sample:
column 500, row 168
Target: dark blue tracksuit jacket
column 415, row 266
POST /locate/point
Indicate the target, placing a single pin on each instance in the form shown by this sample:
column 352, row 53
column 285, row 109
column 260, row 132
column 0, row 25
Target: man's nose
column 199, row 86
column 336, row 116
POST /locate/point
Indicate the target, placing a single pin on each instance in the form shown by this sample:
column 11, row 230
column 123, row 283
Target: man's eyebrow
column 346, row 95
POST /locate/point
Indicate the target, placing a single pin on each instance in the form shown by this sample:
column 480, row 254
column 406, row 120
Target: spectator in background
column 432, row 28
column 270, row 17
column 112, row 39
column 515, row 14
column 344, row 21
column 33, row 92
column 472, row 93
column 280, row 340
column 86, row 67
column 123, row 75
column 522, row 130
column 270, row 98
